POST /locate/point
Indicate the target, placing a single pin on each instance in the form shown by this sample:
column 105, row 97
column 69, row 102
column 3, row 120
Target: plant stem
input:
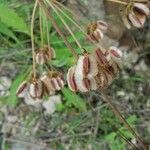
column 63, row 6
column 47, row 32
column 118, row 1
column 125, row 139
column 65, row 24
column 32, row 39
column 122, row 119
column 58, row 29
column 41, row 30
column 99, row 45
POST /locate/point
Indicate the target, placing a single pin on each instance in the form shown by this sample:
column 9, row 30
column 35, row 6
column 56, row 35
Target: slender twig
column 63, row 6
column 32, row 39
column 122, row 119
column 58, row 29
column 118, row 1
column 68, row 136
column 47, row 32
column 69, row 18
column 40, row 22
column 126, row 140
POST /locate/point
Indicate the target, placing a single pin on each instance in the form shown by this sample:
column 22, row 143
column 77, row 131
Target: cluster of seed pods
column 45, row 85
column 136, row 14
column 96, row 30
column 45, row 54
column 94, row 71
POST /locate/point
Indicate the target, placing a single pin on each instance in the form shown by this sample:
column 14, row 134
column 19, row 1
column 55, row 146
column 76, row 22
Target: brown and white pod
column 80, row 84
column 51, row 52
column 86, row 66
column 95, row 30
column 93, row 71
column 102, row 25
column 22, row 89
column 57, row 83
column 126, row 21
column 47, row 86
column 116, row 55
column 100, row 57
column 45, row 54
column 93, row 84
column 136, row 16
column 36, row 89
column 137, row 20
column 141, row 8
column 71, row 79
column 40, row 57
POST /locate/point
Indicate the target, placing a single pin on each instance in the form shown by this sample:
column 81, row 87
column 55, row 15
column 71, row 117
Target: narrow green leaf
column 12, row 19
column 74, row 100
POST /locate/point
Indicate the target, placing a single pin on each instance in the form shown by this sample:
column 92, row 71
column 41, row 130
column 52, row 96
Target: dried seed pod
column 71, row 79
column 102, row 25
column 45, row 54
column 101, row 80
column 97, row 35
column 48, row 89
column 95, row 30
column 137, row 19
column 126, row 21
column 116, row 55
column 135, row 15
column 141, row 8
column 22, row 89
column 108, row 79
column 36, row 89
column 57, row 83
column 60, row 82
column 50, row 52
column 100, row 57
column 41, row 58
column 86, row 66
column 93, row 69
column 93, row 84
column 87, row 84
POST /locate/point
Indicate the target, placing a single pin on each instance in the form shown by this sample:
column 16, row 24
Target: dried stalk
column 65, row 24
column 122, row 119
column 40, row 23
column 32, row 39
column 58, row 29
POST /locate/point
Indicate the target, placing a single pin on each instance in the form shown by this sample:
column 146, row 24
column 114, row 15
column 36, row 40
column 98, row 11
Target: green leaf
column 12, row 19
column 12, row 99
column 74, row 100
column 110, row 137
column 5, row 30
column 132, row 119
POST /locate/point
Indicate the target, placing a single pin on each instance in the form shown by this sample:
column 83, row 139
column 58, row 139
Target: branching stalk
column 58, row 29
column 67, row 27
column 122, row 119
column 78, row 26
column 32, row 39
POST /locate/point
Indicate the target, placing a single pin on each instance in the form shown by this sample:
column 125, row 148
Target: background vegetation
column 80, row 121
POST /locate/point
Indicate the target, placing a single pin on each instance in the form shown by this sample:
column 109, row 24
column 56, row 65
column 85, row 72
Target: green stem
column 58, row 29
column 32, row 39
column 65, row 24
